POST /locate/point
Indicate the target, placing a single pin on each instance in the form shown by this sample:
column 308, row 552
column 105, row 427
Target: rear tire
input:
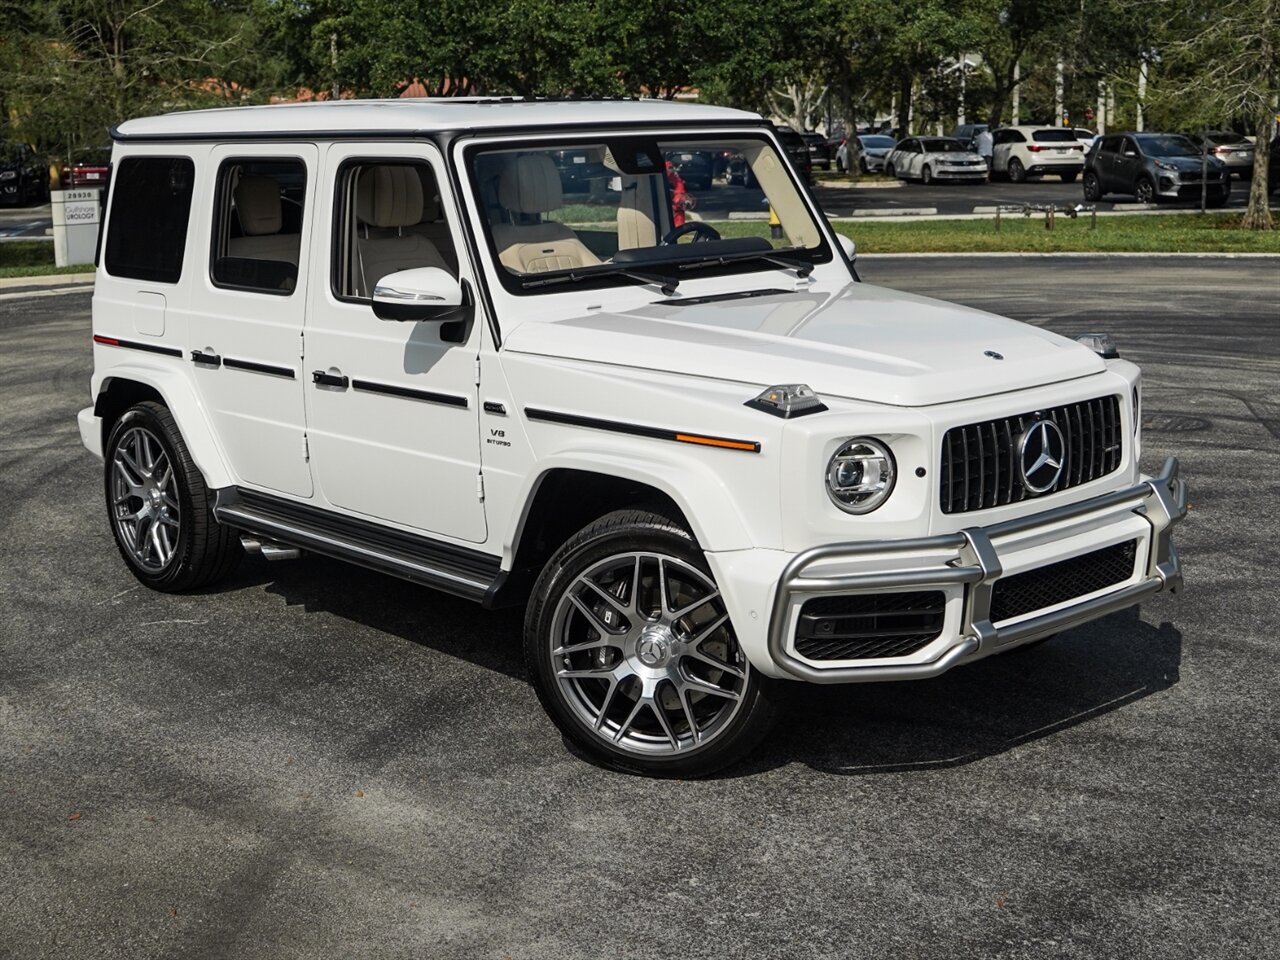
column 1069, row 177
column 1017, row 172
column 1092, row 187
column 159, row 508
column 631, row 652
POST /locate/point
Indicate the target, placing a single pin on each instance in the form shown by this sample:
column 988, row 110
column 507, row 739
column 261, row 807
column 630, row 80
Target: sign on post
column 77, row 216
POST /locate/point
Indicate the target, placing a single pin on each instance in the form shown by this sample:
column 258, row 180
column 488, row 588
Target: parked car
column 1152, row 167
column 1028, row 151
column 1084, row 137
column 797, row 152
column 967, row 133
column 24, row 176
column 692, row 497
column 934, row 158
column 869, row 152
column 90, row 168
column 695, row 167
column 819, row 151
column 740, row 174
column 1234, row 150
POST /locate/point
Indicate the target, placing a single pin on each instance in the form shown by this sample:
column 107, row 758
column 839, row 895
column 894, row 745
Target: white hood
column 864, row 343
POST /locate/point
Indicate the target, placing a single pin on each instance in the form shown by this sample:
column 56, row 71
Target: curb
column 46, row 280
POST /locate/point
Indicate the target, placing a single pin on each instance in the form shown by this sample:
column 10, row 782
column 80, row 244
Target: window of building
column 150, row 209
column 257, row 224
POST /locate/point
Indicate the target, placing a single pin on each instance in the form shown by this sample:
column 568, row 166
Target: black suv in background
column 1152, row 167
column 24, row 178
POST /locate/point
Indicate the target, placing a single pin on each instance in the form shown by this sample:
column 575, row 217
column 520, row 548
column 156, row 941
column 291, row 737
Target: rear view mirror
column 420, row 294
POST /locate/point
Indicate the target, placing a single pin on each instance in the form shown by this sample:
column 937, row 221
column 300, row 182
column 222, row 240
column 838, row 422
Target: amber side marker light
column 716, row 442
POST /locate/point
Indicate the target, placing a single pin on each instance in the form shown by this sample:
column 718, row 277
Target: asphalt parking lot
column 317, row 761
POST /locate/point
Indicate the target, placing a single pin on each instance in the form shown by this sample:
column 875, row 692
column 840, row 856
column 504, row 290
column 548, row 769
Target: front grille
column 869, row 626
column 980, row 466
column 1059, row 582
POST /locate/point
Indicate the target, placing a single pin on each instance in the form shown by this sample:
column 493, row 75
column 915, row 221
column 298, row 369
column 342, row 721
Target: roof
column 417, row 115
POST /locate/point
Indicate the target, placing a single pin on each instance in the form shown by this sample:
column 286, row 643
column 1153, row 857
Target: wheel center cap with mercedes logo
column 1041, row 456
column 654, row 648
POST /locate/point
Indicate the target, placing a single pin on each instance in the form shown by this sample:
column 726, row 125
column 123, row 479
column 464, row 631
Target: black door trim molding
column 252, row 366
column 135, row 345
column 391, row 390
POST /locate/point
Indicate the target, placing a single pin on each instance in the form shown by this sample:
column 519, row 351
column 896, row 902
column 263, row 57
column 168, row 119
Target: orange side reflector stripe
column 715, row 442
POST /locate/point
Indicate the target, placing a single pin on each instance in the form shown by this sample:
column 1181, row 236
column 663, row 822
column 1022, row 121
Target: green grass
column 33, row 258
column 1174, row 233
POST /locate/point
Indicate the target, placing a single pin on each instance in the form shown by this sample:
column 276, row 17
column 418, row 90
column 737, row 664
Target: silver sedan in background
column 928, row 159
column 865, row 151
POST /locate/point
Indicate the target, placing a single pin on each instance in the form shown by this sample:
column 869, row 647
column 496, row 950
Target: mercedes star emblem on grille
column 1041, row 456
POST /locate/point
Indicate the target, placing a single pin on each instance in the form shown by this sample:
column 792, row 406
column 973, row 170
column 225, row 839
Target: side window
column 1129, row 144
column 257, row 225
column 388, row 218
column 150, row 208
column 1109, row 145
column 1016, row 136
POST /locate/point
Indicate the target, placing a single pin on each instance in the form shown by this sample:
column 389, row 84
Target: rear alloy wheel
column 926, row 175
column 1017, row 172
column 632, row 653
column 1144, row 190
column 1092, row 187
column 159, row 507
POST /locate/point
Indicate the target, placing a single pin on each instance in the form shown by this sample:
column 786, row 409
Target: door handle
column 206, row 359
column 330, row 379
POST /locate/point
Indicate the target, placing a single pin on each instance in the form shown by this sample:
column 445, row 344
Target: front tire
column 889, row 171
column 926, row 176
column 631, row 652
column 1144, row 190
column 160, row 511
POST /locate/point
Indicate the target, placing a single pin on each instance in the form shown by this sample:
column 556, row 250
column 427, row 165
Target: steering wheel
column 702, row 233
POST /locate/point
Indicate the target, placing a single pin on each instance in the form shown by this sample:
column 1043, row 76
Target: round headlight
column 860, row 475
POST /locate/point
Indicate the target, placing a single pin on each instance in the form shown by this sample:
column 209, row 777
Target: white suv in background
column 1021, row 152
column 468, row 343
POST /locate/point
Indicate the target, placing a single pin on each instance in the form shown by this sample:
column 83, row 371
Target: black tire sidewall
column 1017, row 172
column 623, row 532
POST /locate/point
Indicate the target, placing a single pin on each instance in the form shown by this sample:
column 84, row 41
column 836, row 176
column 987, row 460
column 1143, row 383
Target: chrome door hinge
column 306, row 449
column 480, row 487
column 302, row 345
column 477, row 371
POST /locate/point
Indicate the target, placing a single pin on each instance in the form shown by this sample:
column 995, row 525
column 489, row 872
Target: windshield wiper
column 667, row 284
column 779, row 258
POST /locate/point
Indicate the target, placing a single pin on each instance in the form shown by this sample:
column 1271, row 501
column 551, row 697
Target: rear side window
column 1054, row 136
column 257, row 224
column 150, row 208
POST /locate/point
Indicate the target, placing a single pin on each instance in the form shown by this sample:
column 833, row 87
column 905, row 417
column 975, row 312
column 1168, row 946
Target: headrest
column 258, row 206
column 530, row 183
column 389, row 196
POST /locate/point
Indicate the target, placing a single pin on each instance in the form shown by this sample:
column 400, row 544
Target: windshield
column 1168, row 145
column 620, row 210
column 942, row 145
column 875, row 143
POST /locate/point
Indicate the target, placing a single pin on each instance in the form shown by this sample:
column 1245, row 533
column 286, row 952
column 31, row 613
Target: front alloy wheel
column 633, row 653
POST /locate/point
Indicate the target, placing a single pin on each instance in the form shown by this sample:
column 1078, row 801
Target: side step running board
column 285, row 524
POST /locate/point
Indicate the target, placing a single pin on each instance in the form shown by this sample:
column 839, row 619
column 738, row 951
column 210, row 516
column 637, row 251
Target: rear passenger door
column 248, row 307
column 392, row 418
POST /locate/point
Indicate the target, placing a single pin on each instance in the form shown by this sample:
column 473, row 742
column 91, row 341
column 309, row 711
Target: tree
column 1223, row 64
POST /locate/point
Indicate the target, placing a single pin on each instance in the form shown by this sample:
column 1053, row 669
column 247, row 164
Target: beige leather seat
column 529, row 185
column 389, row 198
column 258, row 209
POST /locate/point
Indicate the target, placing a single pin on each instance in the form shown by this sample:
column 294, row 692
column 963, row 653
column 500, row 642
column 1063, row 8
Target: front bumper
column 968, row 564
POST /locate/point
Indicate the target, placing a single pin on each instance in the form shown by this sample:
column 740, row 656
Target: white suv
column 1021, row 152
column 470, row 344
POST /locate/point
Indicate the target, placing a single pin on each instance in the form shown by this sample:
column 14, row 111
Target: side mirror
column 848, row 246
column 1131, row 153
column 420, row 294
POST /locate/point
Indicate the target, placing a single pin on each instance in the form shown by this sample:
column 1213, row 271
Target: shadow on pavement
column 971, row 713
